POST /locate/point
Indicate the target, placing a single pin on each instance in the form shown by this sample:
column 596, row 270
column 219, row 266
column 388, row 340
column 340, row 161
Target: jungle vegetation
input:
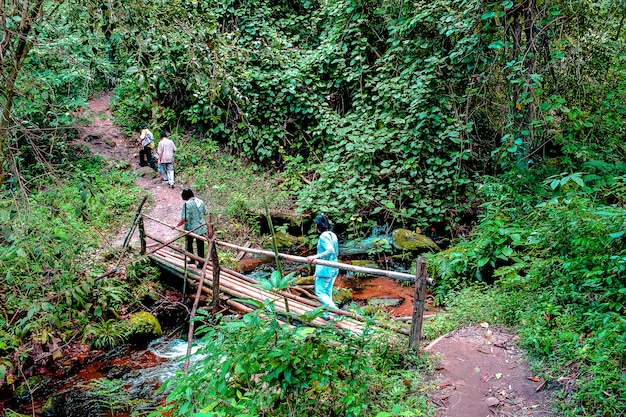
column 497, row 124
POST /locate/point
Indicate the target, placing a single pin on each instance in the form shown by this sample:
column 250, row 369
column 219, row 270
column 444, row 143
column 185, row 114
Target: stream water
column 114, row 384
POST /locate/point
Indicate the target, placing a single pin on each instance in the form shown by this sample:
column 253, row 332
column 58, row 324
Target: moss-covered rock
column 283, row 241
column 51, row 408
column 342, row 296
column 147, row 172
column 308, row 280
column 144, row 325
column 365, row 263
column 407, row 240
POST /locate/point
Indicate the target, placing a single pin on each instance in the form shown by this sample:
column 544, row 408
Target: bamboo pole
column 192, row 316
column 142, row 237
column 347, row 267
column 132, row 227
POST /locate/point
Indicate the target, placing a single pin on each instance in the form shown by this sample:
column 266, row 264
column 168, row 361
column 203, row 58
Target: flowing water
column 114, row 384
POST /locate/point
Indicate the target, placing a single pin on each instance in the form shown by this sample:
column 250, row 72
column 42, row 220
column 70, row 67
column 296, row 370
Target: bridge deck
column 241, row 288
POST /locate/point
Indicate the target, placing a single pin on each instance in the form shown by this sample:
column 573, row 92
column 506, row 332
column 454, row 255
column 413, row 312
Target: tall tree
column 19, row 19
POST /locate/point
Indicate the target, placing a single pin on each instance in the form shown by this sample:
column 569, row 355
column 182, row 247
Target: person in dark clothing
column 146, row 153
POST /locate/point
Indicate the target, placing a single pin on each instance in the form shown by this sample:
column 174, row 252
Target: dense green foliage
column 53, row 265
column 394, row 108
column 498, row 123
column 259, row 366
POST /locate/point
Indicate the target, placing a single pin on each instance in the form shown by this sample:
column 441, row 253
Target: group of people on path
column 163, row 160
column 193, row 212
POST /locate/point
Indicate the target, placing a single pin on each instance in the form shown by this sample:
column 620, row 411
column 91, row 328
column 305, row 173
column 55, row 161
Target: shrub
column 258, row 366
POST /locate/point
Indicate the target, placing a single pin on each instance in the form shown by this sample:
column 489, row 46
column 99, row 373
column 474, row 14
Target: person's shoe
column 171, row 185
column 190, row 261
column 200, row 265
column 143, row 164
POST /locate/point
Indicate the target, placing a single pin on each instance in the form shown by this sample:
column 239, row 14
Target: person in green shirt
column 192, row 216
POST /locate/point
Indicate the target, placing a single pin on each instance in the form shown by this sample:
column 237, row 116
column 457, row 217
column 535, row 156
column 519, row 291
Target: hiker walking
column 327, row 249
column 192, row 216
column 146, row 153
column 165, row 152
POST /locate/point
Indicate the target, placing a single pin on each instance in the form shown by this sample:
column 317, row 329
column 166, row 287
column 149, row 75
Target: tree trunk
column 10, row 64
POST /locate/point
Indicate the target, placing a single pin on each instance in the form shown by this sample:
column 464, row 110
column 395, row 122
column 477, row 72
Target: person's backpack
column 147, row 140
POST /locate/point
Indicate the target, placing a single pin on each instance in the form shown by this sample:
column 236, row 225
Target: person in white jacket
column 165, row 153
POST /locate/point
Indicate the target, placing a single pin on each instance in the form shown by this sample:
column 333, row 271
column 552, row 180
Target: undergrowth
column 555, row 271
column 53, row 253
column 259, row 366
column 233, row 189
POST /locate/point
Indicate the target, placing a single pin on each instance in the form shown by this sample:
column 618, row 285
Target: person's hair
column 163, row 134
column 186, row 194
column 143, row 125
column 322, row 223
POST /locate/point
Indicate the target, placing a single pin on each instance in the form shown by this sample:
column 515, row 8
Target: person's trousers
column 199, row 244
column 145, row 156
column 324, row 290
column 167, row 172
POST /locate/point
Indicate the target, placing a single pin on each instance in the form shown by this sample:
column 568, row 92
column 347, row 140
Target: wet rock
column 385, row 302
column 249, row 264
column 144, row 326
column 407, row 240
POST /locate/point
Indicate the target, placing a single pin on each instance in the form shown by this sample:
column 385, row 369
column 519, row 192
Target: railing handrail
column 294, row 258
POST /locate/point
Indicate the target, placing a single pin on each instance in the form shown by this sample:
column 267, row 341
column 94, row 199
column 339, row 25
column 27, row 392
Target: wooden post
column 142, row 236
column 418, row 303
column 216, row 269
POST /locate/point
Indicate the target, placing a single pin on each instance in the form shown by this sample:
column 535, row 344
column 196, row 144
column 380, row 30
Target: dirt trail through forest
column 106, row 139
column 480, row 371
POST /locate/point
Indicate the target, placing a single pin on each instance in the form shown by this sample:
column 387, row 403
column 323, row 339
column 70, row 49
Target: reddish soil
column 480, row 371
column 364, row 289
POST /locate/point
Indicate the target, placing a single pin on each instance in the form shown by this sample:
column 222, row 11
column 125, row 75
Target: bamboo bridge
column 240, row 293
